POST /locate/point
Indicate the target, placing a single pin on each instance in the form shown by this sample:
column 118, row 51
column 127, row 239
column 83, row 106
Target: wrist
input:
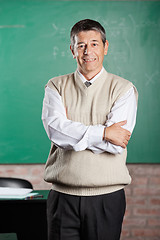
column 104, row 134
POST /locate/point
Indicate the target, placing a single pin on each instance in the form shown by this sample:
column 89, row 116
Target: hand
column 117, row 135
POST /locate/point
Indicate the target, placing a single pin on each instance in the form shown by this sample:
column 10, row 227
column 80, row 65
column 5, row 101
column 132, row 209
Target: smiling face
column 89, row 52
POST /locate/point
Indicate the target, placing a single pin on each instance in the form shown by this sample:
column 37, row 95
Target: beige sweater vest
column 84, row 173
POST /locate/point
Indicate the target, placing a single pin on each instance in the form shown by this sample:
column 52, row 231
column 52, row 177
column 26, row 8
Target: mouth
column 89, row 59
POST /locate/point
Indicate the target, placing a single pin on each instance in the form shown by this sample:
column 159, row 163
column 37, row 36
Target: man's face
column 89, row 52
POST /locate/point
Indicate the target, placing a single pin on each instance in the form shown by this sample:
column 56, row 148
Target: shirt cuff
column 92, row 137
column 95, row 135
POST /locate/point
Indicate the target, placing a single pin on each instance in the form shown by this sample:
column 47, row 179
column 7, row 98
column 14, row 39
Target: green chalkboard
column 34, row 46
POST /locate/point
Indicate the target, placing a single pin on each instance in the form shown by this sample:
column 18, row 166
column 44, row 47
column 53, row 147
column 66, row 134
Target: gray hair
column 87, row 25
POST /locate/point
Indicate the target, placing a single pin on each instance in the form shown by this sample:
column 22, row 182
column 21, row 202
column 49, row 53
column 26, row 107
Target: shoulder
column 118, row 81
column 58, row 82
column 118, row 85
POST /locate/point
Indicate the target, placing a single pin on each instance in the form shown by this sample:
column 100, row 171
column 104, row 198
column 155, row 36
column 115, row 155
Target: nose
column 87, row 50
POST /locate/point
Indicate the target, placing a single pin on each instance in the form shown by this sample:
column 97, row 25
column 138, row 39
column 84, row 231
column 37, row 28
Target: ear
column 72, row 52
column 106, row 47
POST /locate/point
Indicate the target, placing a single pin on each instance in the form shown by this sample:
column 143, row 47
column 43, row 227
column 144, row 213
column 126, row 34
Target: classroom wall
column 142, row 219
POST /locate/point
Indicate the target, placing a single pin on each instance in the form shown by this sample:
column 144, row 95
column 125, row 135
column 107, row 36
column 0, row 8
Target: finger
column 128, row 133
column 125, row 142
column 128, row 138
column 123, row 145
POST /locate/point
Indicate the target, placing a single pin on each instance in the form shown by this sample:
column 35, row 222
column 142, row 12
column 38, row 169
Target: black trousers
column 85, row 218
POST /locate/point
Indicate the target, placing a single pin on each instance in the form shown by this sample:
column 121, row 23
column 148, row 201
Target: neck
column 90, row 75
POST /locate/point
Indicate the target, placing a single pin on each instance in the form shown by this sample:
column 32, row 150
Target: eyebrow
column 84, row 42
column 80, row 43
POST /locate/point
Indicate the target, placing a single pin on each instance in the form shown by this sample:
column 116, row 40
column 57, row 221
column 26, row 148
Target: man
column 89, row 116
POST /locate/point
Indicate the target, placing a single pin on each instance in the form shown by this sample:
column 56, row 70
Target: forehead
column 88, row 36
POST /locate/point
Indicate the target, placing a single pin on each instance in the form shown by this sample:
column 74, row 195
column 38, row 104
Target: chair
column 15, row 183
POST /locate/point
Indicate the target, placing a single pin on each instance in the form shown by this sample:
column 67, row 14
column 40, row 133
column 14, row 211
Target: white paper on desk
column 17, row 196
column 14, row 191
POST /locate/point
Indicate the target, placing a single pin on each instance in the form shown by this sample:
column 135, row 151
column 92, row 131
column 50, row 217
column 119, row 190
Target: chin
column 90, row 68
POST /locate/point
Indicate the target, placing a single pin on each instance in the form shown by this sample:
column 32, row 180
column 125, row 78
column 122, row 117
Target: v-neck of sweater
column 100, row 80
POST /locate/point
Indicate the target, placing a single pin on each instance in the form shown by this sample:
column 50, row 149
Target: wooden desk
column 27, row 218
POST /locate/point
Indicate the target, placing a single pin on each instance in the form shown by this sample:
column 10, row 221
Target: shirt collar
column 93, row 79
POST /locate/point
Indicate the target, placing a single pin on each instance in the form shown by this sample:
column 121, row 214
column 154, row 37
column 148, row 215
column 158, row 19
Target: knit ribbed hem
column 86, row 191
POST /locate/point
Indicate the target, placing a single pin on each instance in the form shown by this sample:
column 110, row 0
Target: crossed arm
column 117, row 135
column 67, row 134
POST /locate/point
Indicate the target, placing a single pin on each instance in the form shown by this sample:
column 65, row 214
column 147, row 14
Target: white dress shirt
column 93, row 79
column 69, row 135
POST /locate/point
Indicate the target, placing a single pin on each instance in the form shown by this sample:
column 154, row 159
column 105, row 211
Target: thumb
column 122, row 123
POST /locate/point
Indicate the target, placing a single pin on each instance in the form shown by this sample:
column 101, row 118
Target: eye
column 95, row 44
column 81, row 46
